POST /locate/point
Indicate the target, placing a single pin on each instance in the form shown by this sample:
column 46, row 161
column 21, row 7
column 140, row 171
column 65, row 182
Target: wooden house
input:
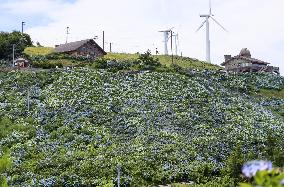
column 87, row 48
column 245, row 63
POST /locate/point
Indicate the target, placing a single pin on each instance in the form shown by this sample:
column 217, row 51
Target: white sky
column 133, row 25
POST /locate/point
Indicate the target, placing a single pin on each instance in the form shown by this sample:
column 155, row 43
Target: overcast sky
column 133, row 25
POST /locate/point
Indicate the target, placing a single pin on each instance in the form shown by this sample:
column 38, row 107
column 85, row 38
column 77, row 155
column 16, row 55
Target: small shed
column 21, row 63
column 245, row 63
column 87, row 48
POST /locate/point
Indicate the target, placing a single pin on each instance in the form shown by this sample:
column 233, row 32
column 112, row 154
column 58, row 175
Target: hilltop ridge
column 184, row 62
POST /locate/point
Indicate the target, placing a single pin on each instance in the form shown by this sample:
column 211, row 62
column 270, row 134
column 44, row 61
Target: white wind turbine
column 167, row 36
column 207, row 17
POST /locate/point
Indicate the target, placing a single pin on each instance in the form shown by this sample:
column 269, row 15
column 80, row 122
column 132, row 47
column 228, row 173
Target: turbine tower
column 206, row 21
column 176, row 36
column 166, row 39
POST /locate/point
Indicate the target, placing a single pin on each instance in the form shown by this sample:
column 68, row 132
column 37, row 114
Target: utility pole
column 172, row 46
column 67, row 33
column 103, row 40
column 13, row 55
column 110, row 47
column 176, row 37
column 118, row 176
column 23, row 23
column 28, row 100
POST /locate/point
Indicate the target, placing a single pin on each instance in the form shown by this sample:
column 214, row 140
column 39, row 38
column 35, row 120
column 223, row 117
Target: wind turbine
column 166, row 39
column 207, row 17
column 176, row 36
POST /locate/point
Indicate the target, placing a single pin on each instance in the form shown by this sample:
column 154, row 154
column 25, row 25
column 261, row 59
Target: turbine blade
column 210, row 8
column 201, row 26
column 219, row 24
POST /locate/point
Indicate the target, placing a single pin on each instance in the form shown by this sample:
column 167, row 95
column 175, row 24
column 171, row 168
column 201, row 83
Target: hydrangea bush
column 75, row 127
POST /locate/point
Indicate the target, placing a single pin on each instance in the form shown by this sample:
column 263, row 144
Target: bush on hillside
column 147, row 62
column 144, row 62
column 46, row 65
column 159, row 127
column 5, row 164
column 4, row 63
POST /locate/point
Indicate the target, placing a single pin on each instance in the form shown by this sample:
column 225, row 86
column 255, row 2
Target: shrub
column 147, row 61
column 273, row 178
column 5, row 163
column 4, row 63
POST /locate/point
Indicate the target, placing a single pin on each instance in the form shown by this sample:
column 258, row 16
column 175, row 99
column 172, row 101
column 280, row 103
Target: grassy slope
column 271, row 93
column 184, row 62
column 33, row 51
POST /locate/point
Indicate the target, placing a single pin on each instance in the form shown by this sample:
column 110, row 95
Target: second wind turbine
column 206, row 21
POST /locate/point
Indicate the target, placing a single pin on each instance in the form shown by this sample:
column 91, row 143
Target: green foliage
column 160, row 127
column 144, row 62
column 4, row 63
column 166, row 60
column 266, row 178
column 52, row 60
column 147, row 61
column 217, row 182
column 46, row 65
column 7, row 40
column 270, row 93
column 5, row 163
column 234, row 163
column 274, row 149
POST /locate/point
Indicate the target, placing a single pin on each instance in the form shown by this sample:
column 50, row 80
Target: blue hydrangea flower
column 252, row 167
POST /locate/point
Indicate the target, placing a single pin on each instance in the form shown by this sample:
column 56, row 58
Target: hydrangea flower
column 252, row 167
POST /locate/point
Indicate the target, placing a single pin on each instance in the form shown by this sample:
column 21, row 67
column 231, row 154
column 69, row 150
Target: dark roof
column 72, row 46
column 253, row 60
column 245, row 55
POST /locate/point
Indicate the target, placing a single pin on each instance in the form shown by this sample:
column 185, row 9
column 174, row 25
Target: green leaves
column 5, row 164
column 8, row 39
column 160, row 127
column 266, row 178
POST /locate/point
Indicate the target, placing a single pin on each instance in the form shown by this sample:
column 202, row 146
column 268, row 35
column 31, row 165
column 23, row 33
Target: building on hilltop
column 88, row 48
column 245, row 63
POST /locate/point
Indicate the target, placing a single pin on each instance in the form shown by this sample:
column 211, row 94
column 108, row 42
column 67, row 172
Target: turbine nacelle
column 205, row 16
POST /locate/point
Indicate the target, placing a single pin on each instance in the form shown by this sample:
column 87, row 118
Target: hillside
column 184, row 62
column 37, row 53
column 80, row 125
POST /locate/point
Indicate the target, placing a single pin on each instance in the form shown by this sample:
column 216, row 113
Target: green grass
column 271, row 93
column 184, row 62
column 33, row 51
column 121, row 56
column 166, row 60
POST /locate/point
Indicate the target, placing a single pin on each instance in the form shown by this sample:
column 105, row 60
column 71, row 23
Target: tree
column 148, row 61
column 7, row 40
column 38, row 44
